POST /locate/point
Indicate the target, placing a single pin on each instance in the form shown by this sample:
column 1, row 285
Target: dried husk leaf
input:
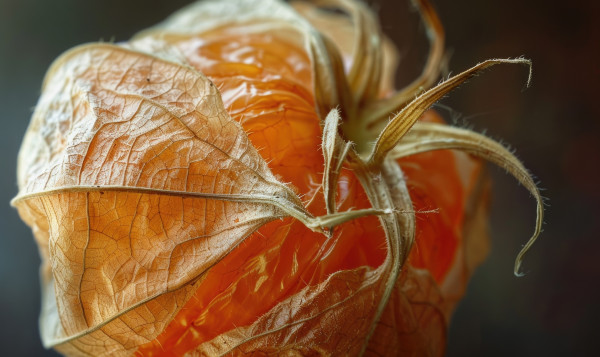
column 335, row 151
column 429, row 136
column 415, row 321
column 130, row 159
column 376, row 111
column 358, row 38
column 344, row 34
column 401, row 123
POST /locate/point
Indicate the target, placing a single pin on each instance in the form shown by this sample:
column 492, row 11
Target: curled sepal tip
column 429, row 136
column 401, row 123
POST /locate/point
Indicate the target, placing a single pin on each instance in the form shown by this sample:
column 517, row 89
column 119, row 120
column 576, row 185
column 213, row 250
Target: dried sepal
column 359, row 38
column 401, row 123
column 365, row 73
column 430, row 136
column 379, row 110
column 387, row 190
column 120, row 141
column 335, row 151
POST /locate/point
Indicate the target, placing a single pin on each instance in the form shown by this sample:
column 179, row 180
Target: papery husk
column 93, row 208
column 128, row 231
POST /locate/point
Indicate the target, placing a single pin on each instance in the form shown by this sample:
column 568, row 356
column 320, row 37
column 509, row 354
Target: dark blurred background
column 554, row 125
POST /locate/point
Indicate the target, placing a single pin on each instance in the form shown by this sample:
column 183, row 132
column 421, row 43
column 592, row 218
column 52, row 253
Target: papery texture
column 175, row 185
column 144, row 182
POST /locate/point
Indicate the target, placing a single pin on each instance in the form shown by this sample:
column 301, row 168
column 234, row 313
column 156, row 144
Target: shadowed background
column 554, row 125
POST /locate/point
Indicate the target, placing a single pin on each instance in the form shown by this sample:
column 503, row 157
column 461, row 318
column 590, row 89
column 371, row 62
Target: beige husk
column 57, row 188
